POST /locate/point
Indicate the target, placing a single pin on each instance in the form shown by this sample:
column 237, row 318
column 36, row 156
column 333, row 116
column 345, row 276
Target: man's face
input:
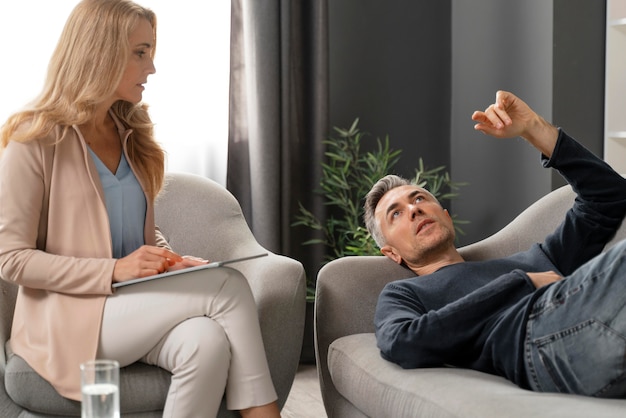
column 416, row 228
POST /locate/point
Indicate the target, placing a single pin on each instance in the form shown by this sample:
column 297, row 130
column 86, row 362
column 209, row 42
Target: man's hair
column 372, row 198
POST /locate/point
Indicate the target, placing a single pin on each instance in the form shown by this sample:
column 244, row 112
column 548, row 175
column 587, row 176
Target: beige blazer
column 55, row 243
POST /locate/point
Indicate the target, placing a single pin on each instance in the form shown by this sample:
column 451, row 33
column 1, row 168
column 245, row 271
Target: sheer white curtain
column 188, row 96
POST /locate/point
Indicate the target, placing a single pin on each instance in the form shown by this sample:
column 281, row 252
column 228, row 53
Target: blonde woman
column 79, row 174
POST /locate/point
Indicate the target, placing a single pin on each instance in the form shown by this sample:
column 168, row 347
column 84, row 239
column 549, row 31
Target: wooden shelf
column 616, row 134
column 615, row 86
column 617, row 23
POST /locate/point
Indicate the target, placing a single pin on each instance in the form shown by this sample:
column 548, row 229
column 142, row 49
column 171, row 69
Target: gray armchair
column 198, row 217
column 357, row 382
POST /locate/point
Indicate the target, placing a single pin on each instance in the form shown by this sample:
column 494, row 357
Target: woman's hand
column 187, row 261
column 147, row 260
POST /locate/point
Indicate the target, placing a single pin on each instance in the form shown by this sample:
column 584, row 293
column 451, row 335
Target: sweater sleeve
column 598, row 209
column 412, row 336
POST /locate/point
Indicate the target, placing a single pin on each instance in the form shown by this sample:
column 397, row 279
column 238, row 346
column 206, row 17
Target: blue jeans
column 576, row 332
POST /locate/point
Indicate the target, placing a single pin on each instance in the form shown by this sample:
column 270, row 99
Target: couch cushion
column 32, row 392
column 382, row 389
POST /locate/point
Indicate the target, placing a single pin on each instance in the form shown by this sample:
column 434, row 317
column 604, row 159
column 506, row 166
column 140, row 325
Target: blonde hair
column 85, row 69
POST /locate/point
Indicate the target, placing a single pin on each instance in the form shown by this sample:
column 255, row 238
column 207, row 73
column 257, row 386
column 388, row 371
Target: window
column 188, row 96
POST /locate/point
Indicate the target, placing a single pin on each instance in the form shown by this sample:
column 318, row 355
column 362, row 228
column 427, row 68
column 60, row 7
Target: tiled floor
column 305, row 398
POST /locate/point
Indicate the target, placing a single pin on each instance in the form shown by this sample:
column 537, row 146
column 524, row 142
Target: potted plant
column 347, row 176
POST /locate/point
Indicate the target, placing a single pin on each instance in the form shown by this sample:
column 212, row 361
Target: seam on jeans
column 531, row 372
column 610, row 385
column 574, row 329
column 541, row 342
column 553, row 302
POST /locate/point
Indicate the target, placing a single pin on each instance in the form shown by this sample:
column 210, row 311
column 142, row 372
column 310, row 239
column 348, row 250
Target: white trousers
column 203, row 327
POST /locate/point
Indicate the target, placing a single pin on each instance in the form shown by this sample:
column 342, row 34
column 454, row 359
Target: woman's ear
column 391, row 253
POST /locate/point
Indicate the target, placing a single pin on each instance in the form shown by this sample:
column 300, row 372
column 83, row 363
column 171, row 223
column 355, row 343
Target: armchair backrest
column 209, row 224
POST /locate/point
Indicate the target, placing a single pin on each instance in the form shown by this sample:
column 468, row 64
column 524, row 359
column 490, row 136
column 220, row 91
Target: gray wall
column 498, row 44
column 418, row 69
column 551, row 54
column 390, row 67
column 579, row 68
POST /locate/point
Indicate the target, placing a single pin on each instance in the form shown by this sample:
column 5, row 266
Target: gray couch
column 198, row 217
column 357, row 382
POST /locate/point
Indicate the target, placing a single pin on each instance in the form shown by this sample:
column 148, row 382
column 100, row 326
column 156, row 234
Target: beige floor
column 305, row 398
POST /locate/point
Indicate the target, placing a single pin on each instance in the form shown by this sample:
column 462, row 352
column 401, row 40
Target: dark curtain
column 278, row 118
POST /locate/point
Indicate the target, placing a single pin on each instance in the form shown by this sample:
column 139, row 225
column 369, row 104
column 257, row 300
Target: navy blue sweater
column 474, row 314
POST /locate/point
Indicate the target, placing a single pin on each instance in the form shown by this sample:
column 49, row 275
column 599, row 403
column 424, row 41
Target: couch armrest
column 345, row 300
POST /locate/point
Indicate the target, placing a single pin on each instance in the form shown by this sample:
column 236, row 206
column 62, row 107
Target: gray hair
column 372, row 198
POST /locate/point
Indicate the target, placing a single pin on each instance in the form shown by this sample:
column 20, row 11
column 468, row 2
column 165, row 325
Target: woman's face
column 140, row 64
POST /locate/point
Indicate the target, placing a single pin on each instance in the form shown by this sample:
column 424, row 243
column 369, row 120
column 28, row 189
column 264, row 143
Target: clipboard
column 211, row 265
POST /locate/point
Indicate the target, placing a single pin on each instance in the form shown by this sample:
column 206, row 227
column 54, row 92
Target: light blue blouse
column 126, row 206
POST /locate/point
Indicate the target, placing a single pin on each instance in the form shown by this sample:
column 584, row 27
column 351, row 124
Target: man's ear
column 447, row 213
column 391, row 253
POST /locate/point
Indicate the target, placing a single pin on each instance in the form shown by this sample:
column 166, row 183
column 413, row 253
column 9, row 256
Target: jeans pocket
column 586, row 359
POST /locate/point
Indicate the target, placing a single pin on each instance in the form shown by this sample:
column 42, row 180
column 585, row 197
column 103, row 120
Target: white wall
column 188, row 96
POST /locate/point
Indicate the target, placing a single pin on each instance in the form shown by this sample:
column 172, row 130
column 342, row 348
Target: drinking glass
column 100, row 389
